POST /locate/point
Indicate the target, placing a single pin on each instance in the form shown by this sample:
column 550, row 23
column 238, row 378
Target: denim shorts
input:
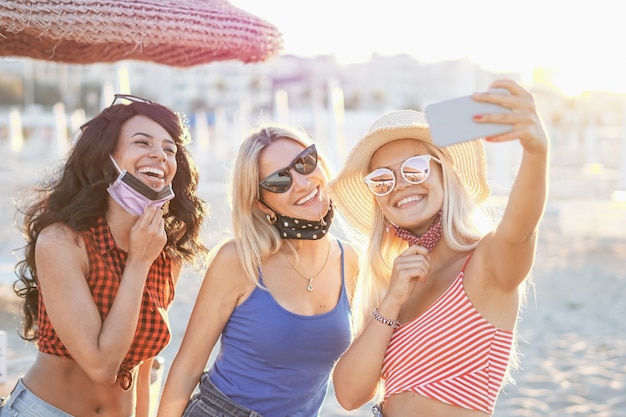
column 377, row 411
column 211, row 402
column 23, row 403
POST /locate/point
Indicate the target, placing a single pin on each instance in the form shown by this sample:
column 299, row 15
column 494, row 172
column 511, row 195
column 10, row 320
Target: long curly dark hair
column 77, row 196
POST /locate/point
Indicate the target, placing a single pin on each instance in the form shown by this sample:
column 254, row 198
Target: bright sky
column 582, row 43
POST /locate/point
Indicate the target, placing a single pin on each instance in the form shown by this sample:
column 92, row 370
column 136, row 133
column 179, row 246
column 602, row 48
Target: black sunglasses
column 129, row 97
column 280, row 181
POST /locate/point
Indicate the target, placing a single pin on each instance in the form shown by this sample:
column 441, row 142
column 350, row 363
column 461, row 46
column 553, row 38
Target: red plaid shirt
column 106, row 262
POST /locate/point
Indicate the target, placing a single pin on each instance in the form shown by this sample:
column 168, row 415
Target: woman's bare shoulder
column 225, row 266
column 59, row 237
column 351, row 255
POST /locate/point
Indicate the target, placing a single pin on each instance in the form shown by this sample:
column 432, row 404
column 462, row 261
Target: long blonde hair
column 254, row 237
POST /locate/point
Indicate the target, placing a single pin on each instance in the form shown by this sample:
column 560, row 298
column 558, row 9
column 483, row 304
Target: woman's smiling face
column 412, row 206
column 147, row 151
column 307, row 197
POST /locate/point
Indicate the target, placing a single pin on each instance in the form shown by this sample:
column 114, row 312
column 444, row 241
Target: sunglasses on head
column 415, row 170
column 118, row 98
column 281, row 180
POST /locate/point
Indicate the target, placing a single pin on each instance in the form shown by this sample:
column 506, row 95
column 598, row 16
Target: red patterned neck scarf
column 428, row 239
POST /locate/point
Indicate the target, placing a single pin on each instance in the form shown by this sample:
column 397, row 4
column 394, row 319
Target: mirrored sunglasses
column 414, row 170
column 281, row 180
column 121, row 98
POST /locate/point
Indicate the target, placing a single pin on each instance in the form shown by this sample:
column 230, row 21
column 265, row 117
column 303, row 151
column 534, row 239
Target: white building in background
column 400, row 82
column 242, row 93
column 383, row 82
column 231, row 96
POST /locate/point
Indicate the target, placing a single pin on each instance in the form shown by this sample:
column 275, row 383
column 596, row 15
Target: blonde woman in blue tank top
column 276, row 295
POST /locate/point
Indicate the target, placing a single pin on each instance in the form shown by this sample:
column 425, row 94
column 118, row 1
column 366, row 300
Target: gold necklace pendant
column 309, row 278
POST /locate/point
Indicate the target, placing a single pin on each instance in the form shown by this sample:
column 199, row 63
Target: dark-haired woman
column 105, row 243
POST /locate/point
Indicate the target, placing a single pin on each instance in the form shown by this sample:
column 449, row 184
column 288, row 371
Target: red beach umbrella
column 178, row 33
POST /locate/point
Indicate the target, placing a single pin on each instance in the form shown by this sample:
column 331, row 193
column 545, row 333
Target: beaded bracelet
column 378, row 317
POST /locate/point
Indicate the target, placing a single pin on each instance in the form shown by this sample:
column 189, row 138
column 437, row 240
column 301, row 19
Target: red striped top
column 450, row 353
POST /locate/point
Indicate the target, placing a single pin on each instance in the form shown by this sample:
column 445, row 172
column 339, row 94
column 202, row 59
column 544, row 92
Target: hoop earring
column 323, row 222
column 270, row 219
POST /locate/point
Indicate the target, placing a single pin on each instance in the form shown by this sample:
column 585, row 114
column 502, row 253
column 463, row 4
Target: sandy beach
column 572, row 330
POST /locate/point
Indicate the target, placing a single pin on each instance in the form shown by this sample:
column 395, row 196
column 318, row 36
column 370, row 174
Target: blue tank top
column 278, row 363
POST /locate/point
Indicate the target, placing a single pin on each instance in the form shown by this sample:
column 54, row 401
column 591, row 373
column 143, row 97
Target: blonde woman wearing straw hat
column 438, row 299
column 277, row 296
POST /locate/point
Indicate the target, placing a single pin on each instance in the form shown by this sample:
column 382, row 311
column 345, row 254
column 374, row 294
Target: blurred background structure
column 42, row 103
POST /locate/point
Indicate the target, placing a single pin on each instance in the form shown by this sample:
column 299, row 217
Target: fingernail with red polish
column 478, row 116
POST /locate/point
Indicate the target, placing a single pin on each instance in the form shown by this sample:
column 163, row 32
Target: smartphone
column 452, row 121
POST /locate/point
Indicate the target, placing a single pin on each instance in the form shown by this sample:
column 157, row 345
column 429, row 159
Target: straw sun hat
column 351, row 195
column 178, row 33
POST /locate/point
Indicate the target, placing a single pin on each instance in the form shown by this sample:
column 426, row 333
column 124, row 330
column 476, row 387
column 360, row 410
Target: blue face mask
column 133, row 195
